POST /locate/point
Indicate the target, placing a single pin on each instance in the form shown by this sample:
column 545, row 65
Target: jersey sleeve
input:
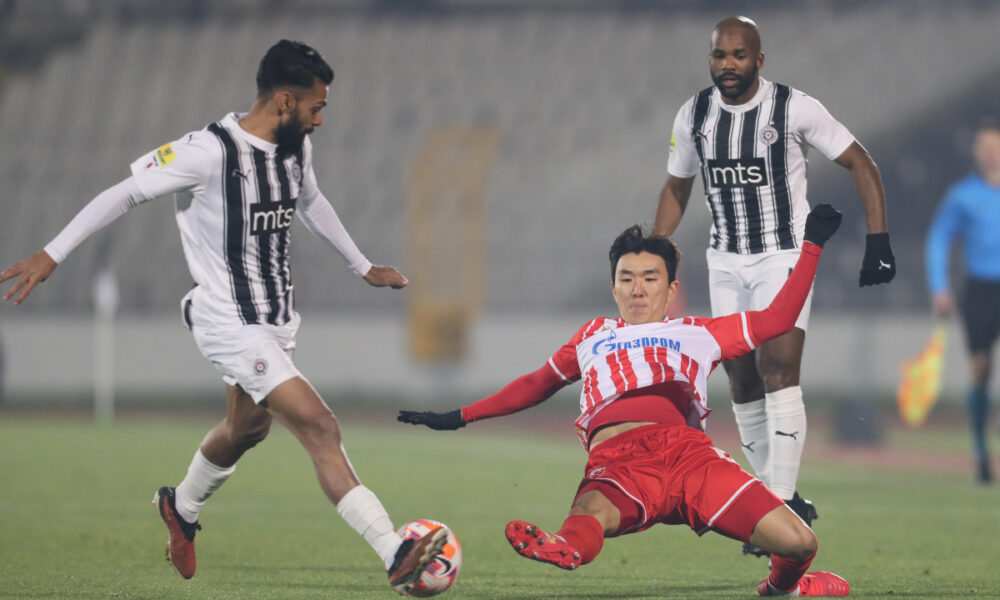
column 182, row 165
column 531, row 389
column 320, row 218
column 818, row 127
column 684, row 161
column 99, row 212
column 948, row 222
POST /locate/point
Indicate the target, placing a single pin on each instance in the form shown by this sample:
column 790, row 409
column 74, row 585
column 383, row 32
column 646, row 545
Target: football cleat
column 531, row 542
column 804, row 508
column 413, row 556
column 813, row 584
column 180, row 543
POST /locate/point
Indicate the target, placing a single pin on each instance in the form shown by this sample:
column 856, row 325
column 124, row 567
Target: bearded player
column 642, row 406
column 749, row 137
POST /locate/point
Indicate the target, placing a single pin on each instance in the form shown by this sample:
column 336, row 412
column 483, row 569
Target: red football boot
column 531, row 542
column 180, row 544
column 813, row 584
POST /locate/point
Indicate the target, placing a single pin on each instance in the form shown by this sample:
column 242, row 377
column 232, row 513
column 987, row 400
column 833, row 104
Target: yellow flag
column 920, row 381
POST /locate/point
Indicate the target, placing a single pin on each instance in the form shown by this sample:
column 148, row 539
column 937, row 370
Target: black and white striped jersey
column 752, row 159
column 235, row 200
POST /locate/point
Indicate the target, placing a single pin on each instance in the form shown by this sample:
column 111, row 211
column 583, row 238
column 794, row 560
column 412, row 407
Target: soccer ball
column 443, row 570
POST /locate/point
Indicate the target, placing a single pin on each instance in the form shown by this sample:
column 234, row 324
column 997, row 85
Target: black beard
column 290, row 138
column 738, row 90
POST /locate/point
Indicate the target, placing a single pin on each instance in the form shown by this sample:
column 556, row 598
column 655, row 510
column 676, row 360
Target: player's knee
column 778, row 374
column 322, row 431
column 801, row 544
column 746, row 389
column 251, row 433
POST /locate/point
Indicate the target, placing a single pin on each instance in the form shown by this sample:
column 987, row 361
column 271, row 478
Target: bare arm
column 868, row 183
column 673, row 200
column 879, row 264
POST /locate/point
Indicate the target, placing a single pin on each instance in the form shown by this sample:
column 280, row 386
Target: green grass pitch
column 75, row 519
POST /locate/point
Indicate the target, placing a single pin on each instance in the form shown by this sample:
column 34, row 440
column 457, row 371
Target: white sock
column 202, row 480
column 786, row 425
column 751, row 419
column 365, row 514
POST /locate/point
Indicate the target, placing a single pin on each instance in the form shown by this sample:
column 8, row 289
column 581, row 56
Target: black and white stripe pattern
column 744, row 158
column 259, row 193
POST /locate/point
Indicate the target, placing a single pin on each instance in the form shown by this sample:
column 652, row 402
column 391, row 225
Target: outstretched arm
column 524, row 392
column 879, row 264
column 740, row 333
column 99, row 212
column 320, row 218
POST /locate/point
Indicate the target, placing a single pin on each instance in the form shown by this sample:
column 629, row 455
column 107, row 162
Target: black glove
column 434, row 420
column 821, row 223
column 879, row 265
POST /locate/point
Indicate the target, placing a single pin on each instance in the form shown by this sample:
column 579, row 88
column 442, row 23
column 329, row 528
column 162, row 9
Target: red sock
column 786, row 572
column 584, row 533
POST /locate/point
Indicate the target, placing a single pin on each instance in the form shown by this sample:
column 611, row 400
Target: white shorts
column 739, row 282
column 255, row 357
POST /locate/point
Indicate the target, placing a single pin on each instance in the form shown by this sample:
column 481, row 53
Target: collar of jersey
column 232, row 123
column 762, row 90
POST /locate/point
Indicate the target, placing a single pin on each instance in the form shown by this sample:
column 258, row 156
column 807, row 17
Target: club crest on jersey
column 296, row 172
column 260, row 366
column 768, row 135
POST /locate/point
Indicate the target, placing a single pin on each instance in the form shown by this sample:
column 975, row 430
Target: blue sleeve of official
column 946, row 225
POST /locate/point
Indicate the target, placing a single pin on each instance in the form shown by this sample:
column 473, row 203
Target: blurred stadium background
column 491, row 149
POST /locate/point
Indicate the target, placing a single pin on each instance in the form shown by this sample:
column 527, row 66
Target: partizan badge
column 768, row 135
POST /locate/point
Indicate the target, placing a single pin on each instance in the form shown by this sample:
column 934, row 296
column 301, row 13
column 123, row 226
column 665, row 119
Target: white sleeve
column 684, row 161
column 102, row 210
column 321, row 219
column 181, row 165
column 818, row 127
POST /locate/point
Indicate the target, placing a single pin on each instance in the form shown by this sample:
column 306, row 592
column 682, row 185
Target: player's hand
column 434, row 420
column 30, row 272
column 821, row 223
column 943, row 304
column 879, row 265
column 385, row 275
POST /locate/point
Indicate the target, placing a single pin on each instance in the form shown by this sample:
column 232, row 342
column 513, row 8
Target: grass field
column 75, row 518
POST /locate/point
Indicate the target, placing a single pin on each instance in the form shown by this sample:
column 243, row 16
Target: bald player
column 747, row 137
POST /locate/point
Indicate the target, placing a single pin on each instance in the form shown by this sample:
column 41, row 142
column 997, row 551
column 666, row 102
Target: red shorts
column 672, row 474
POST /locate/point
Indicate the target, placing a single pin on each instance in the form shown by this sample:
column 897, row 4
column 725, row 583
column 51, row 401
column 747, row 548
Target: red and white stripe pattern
column 613, row 357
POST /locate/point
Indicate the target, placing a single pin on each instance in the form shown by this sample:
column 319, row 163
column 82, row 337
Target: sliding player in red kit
column 642, row 405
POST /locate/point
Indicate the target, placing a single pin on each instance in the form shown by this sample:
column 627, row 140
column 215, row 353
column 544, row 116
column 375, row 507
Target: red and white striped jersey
column 613, row 357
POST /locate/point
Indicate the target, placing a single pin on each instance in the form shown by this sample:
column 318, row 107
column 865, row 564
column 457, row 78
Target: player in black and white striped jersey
column 237, row 186
column 748, row 138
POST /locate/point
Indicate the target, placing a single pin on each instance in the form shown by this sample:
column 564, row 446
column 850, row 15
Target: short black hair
column 635, row 240
column 289, row 63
